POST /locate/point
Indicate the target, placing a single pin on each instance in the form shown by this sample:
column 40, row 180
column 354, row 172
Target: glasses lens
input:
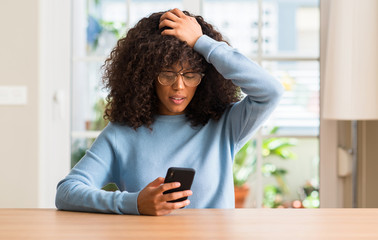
column 167, row 78
column 192, row 79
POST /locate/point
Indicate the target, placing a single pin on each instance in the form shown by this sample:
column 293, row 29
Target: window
column 283, row 37
column 280, row 35
column 98, row 24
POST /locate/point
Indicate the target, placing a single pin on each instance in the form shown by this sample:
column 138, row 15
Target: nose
column 179, row 84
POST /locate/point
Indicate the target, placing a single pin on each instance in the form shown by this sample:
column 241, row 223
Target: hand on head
column 181, row 26
column 152, row 201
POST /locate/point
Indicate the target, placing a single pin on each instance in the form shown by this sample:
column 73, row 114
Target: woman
column 174, row 100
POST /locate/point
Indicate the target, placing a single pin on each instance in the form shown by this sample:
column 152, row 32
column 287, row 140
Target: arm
column 263, row 91
column 81, row 189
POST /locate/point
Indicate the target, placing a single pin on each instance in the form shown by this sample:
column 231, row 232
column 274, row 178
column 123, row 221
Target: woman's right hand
column 152, row 201
column 181, row 26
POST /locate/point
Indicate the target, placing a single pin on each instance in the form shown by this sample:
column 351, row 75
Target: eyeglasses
column 190, row 79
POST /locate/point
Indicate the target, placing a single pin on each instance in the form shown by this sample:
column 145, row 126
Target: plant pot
column 241, row 194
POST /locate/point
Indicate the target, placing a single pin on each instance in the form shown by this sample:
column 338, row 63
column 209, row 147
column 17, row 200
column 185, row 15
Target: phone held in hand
column 183, row 175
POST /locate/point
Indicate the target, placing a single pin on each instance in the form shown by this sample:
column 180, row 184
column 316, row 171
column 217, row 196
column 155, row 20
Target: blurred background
column 52, row 99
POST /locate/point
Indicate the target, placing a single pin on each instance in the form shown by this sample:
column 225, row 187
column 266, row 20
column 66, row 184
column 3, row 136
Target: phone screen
column 184, row 176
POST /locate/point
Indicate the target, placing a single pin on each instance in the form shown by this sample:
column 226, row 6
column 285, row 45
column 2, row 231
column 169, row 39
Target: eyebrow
column 184, row 70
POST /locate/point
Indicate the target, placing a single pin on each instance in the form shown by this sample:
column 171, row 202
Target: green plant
column 116, row 28
column 245, row 165
column 80, row 146
column 310, row 195
column 99, row 122
column 110, row 187
column 279, row 147
column 78, row 151
column 99, row 27
column 272, row 196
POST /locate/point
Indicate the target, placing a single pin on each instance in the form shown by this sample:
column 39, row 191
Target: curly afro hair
column 134, row 64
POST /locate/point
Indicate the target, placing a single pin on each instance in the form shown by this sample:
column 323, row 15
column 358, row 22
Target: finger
column 167, row 23
column 176, row 195
column 170, row 32
column 168, row 186
column 163, row 212
column 157, row 182
column 169, row 16
column 193, row 19
column 178, row 12
column 177, row 205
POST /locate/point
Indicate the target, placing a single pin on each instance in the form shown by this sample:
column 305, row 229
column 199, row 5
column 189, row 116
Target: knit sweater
column 134, row 158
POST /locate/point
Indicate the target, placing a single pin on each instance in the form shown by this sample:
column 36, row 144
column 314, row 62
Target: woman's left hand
column 183, row 27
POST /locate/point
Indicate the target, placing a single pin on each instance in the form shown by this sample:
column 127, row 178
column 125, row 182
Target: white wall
column 54, row 97
column 19, row 124
column 34, row 142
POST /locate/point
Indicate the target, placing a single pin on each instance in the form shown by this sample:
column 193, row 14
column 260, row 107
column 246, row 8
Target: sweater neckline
column 170, row 118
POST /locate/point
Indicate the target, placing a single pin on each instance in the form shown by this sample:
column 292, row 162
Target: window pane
column 237, row 20
column 97, row 26
column 143, row 8
column 292, row 178
column 298, row 111
column 291, row 27
column 87, row 96
column 78, row 148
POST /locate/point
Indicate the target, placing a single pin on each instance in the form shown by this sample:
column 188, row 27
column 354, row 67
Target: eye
column 190, row 75
column 168, row 75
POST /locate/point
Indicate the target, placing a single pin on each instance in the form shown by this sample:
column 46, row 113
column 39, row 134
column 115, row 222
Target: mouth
column 177, row 100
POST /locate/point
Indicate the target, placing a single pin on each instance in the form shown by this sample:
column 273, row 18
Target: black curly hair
column 134, row 64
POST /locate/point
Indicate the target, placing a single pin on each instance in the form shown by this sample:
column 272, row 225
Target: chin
column 168, row 109
column 177, row 112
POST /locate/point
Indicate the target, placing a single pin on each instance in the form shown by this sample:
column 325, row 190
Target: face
column 174, row 99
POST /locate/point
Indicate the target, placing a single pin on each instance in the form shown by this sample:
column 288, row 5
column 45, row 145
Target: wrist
column 194, row 41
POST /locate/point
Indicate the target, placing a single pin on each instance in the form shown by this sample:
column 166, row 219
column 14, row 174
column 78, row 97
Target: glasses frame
column 182, row 77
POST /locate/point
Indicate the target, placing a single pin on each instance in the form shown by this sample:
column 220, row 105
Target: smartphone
column 183, row 175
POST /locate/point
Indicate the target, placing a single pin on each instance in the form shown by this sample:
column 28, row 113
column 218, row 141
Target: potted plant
column 98, row 123
column 280, row 147
column 80, row 146
column 244, row 165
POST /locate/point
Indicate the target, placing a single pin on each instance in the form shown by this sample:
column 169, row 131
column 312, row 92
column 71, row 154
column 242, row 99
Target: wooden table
column 192, row 224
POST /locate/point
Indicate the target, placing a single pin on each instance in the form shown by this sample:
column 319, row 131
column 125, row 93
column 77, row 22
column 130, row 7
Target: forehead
column 179, row 67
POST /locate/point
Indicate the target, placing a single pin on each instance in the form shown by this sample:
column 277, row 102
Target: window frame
column 259, row 137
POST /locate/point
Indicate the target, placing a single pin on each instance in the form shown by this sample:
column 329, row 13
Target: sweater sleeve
column 263, row 91
column 81, row 190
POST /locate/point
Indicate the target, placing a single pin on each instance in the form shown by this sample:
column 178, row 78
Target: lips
column 177, row 99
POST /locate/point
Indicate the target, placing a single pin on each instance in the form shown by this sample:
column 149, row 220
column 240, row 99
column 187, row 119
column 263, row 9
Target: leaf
column 244, row 163
column 274, row 130
column 110, row 187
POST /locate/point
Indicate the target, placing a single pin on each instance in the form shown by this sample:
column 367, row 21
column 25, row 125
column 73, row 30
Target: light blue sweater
column 134, row 158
